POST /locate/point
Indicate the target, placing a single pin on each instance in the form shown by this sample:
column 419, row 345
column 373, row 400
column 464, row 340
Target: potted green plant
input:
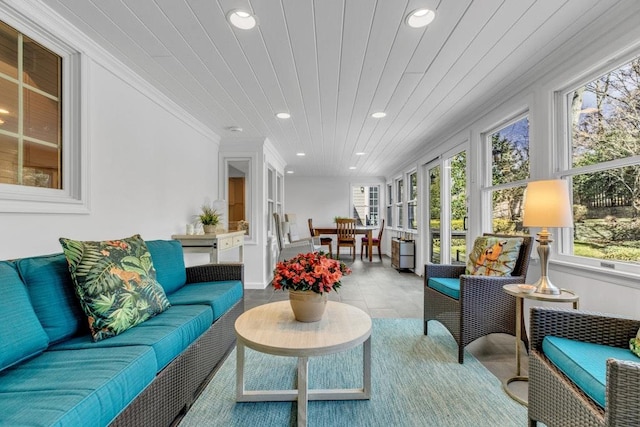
column 209, row 218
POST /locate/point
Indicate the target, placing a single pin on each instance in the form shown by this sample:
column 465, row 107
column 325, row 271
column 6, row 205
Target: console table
column 213, row 243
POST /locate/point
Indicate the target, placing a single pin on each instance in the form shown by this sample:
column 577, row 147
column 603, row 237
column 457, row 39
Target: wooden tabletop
column 271, row 328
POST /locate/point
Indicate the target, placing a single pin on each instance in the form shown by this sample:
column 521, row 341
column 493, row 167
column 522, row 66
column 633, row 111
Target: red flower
column 311, row 271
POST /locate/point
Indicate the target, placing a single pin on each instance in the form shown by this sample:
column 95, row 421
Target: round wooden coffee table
column 272, row 329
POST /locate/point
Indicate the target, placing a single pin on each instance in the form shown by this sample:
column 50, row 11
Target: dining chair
column 324, row 241
column 346, row 231
column 469, row 302
column 375, row 242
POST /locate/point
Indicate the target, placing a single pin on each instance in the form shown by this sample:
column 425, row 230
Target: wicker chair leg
column 426, row 327
column 460, row 354
column 533, row 423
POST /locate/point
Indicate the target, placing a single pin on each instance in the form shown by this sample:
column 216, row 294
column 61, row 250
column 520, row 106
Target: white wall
column 150, row 171
column 323, row 198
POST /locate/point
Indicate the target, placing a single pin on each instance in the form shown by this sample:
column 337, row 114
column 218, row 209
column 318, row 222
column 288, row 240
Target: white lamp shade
column 548, row 204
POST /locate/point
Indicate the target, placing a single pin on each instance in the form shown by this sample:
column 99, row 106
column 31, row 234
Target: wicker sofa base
column 176, row 387
column 567, row 406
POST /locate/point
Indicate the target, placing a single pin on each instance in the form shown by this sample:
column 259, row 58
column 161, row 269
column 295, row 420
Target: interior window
column 30, row 112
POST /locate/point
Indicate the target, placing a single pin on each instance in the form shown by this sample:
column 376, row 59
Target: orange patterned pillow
column 493, row 256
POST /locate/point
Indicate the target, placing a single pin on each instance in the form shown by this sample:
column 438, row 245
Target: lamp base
column 544, row 286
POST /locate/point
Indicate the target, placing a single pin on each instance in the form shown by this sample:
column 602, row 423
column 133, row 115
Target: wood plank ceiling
column 331, row 63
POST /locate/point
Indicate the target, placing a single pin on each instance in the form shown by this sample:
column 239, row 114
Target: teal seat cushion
column 447, row 286
column 584, row 363
column 76, row 387
column 21, row 334
column 168, row 260
column 168, row 333
column 221, row 296
column 53, row 296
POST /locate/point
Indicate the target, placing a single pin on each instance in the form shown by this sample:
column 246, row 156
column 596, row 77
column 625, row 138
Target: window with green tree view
column 602, row 161
column 509, row 148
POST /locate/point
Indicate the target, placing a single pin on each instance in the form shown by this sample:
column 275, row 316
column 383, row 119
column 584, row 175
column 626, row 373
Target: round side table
column 565, row 296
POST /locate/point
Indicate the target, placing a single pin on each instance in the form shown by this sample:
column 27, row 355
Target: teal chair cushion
column 21, row 334
column 168, row 260
column 53, row 295
column 221, row 296
column 86, row 388
column 168, row 334
column 447, row 286
column 584, row 363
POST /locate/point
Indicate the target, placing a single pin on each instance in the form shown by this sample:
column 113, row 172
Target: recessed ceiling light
column 360, row 153
column 378, row 114
column 283, row 115
column 234, row 129
column 420, row 18
column 242, row 19
column 352, row 167
column 289, row 171
column 300, row 154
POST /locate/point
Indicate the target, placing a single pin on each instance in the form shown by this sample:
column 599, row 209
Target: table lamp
column 547, row 204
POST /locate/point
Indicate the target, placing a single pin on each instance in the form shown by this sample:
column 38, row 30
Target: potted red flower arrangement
column 308, row 278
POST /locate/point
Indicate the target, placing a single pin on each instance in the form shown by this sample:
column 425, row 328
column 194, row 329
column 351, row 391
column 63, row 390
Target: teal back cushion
column 168, row 260
column 53, row 296
column 21, row 334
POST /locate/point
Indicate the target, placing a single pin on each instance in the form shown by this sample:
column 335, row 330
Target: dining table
column 360, row 229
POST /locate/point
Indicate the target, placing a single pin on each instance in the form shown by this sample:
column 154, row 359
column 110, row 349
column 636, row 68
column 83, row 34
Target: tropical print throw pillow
column 634, row 344
column 115, row 282
column 493, row 256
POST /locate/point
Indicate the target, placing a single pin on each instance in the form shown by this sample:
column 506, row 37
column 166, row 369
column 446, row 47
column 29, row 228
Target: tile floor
column 382, row 292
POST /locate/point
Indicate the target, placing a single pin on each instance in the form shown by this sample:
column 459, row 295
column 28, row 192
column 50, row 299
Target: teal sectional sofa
column 52, row 373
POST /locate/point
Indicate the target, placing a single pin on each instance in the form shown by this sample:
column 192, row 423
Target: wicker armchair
column 483, row 307
column 553, row 399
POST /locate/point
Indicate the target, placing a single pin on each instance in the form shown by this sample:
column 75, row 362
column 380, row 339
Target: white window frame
column 74, row 195
column 400, row 220
column 563, row 170
column 487, row 187
column 413, row 201
column 389, row 204
column 366, row 185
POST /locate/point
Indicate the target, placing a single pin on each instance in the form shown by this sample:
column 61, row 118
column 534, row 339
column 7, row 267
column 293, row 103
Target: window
column 509, row 148
column 365, row 200
column 603, row 164
column 434, row 214
column 390, row 204
column 399, row 202
column 30, row 113
column 412, row 203
column 41, row 151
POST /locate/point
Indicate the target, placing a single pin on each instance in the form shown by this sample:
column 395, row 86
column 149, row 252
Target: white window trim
column 400, row 203
column 487, row 187
column 367, row 184
column 415, row 201
column 625, row 273
column 74, row 196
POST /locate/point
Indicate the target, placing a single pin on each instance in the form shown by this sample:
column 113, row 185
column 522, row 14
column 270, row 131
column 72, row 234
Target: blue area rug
column 415, row 381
